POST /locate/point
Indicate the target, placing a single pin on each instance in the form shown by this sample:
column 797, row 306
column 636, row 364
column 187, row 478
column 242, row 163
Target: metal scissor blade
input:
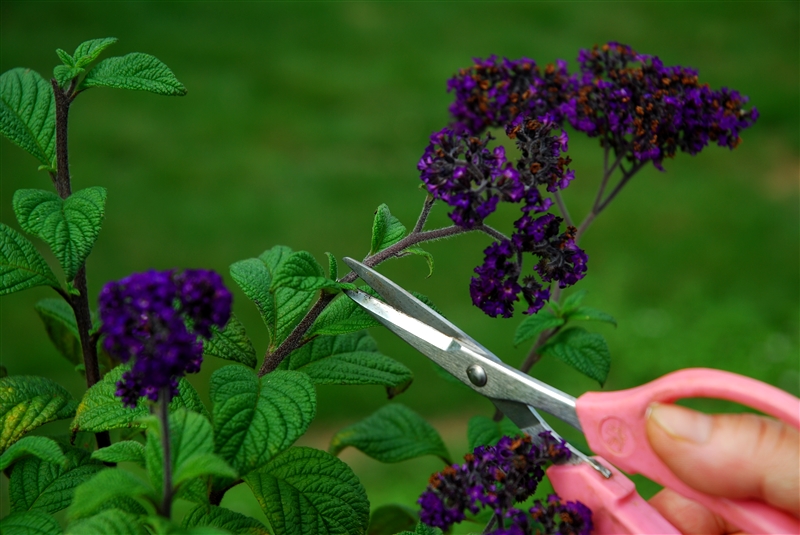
column 410, row 305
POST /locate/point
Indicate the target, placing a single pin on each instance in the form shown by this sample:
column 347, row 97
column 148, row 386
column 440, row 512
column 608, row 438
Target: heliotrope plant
column 153, row 328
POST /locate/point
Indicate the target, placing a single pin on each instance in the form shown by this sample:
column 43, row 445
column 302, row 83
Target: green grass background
column 303, row 117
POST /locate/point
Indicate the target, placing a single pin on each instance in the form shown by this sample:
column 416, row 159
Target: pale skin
column 728, row 455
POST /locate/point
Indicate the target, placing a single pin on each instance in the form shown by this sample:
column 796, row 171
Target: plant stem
column 164, row 395
column 563, row 207
column 80, row 302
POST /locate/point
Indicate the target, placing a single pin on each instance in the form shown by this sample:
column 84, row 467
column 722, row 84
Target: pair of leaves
column 392, row 434
column 101, row 410
column 21, row 265
column 73, row 65
column 26, row 402
column 387, row 230
column 348, row 359
column 304, row 491
column 69, row 226
column 282, row 284
column 255, row 419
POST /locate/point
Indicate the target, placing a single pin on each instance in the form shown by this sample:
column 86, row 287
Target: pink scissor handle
column 614, row 425
column 615, row 504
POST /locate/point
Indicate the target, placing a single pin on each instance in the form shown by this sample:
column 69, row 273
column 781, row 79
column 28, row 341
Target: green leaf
column 590, row 314
column 422, row 529
column 255, row 419
column 220, row 517
column 348, row 359
column 572, row 301
column 39, row 485
column 302, row 272
column 69, row 226
column 64, row 74
column 392, row 518
column 586, row 352
column 65, row 58
column 342, row 316
column 392, row 434
column 29, row 523
column 44, row 448
column 21, row 265
column 535, row 324
column 305, row 491
column 419, row 251
column 28, row 113
column 483, row 431
column 386, row 230
column 88, row 51
column 109, row 484
column 26, row 402
column 108, row 522
column 121, row 452
column 333, row 267
column 192, row 445
column 62, row 328
column 101, row 410
column 231, row 343
column 137, row 71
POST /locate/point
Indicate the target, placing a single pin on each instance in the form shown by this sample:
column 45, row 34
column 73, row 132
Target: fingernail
column 681, row 423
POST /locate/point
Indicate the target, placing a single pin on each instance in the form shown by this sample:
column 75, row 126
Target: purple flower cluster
column 647, row 111
column 157, row 319
column 499, row 477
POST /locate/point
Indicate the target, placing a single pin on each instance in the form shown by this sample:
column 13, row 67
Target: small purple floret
column 157, row 319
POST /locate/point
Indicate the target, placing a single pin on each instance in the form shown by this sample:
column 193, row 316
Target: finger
column 729, row 455
column 687, row 516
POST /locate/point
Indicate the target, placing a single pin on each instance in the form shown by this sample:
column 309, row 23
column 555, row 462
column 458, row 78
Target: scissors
column 613, row 422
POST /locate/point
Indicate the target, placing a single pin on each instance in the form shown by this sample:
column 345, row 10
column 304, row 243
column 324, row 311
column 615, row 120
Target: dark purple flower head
column 492, row 476
column 460, row 170
column 646, row 111
column 564, row 518
column 541, row 163
column 145, row 317
column 492, row 92
column 495, row 289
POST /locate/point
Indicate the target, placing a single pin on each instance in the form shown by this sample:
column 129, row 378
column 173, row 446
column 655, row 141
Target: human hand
column 727, row 455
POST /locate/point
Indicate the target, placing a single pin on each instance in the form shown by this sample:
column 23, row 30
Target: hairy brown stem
column 80, row 302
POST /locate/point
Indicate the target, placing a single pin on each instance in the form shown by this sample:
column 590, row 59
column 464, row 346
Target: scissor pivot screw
column 477, row 375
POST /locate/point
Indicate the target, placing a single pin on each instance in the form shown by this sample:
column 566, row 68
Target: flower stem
column 165, row 509
column 80, row 302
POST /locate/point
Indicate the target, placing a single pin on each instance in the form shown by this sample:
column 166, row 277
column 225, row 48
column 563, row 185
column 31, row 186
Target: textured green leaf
column 21, row 265
column 392, row 434
column 137, row 71
column 109, row 484
column 231, row 343
column 69, row 226
column 483, row 431
column 392, row 518
column 386, row 230
column 254, row 277
column 254, row 419
column 26, row 402
column 101, row 410
column 535, row 324
column 28, row 113
column 65, row 58
column 301, row 271
column 342, row 316
column 572, row 301
column 348, row 359
column 43, row 486
column 108, row 522
column 333, row 267
column 29, row 523
column 44, row 448
column 88, row 51
column 64, row 74
column 419, row 251
column 121, row 452
column 422, row 529
column 220, row 517
column 305, row 491
column 590, row 314
column 586, row 352
column 191, row 450
column 62, row 328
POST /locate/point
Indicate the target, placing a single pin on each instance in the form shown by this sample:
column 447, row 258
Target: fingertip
column 687, row 516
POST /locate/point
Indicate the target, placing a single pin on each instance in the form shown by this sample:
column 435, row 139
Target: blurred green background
column 303, row 117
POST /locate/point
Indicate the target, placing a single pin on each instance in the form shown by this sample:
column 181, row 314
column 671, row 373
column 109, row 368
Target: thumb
column 729, row 455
